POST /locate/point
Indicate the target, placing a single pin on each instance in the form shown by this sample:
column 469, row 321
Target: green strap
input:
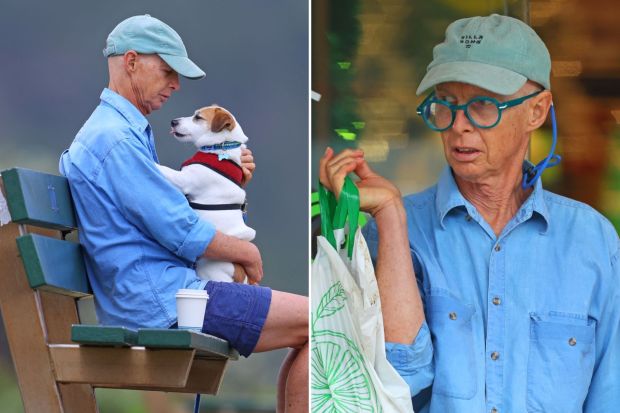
column 345, row 211
column 327, row 202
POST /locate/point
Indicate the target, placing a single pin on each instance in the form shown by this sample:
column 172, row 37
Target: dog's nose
column 174, row 122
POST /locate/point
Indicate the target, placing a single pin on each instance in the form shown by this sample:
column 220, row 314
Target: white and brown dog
column 211, row 179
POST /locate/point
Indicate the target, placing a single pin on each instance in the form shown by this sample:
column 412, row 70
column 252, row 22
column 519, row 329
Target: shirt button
column 494, row 355
column 494, row 410
column 468, row 218
column 572, row 341
column 497, row 301
column 452, row 316
column 498, row 247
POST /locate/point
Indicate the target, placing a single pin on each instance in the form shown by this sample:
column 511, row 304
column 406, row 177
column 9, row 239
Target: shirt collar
column 125, row 108
column 535, row 204
column 449, row 197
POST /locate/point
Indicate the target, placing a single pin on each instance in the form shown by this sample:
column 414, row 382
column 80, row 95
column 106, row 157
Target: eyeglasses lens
column 483, row 112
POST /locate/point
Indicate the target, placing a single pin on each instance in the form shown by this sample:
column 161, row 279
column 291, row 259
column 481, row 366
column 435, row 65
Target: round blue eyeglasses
column 482, row 111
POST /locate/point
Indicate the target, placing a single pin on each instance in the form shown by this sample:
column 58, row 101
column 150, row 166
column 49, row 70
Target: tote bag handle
column 336, row 215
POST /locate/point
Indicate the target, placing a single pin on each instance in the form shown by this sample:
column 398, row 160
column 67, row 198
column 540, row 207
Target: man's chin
column 153, row 106
column 468, row 172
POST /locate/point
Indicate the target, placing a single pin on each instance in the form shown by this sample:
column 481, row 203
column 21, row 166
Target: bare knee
column 287, row 322
column 301, row 322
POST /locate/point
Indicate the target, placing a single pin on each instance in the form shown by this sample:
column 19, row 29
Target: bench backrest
column 43, row 200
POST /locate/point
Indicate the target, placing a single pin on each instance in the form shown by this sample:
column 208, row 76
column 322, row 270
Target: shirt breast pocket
column 450, row 322
column 560, row 363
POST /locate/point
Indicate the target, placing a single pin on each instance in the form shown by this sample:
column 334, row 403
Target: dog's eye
column 197, row 117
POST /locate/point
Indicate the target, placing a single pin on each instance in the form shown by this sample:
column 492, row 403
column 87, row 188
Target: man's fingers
column 329, row 153
column 255, row 278
column 348, row 153
column 331, row 163
column 339, row 170
column 339, row 159
column 247, row 159
column 337, row 173
column 247, row 175
column 254, row 273
column 364, row 171
column 247, row 165
column 250, row 166
column 239, row 274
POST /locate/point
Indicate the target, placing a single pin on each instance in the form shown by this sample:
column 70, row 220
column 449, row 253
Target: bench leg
column 23, row 324
column 77, row 398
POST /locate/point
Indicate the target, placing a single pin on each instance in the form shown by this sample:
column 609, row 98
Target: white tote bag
column 349, row 370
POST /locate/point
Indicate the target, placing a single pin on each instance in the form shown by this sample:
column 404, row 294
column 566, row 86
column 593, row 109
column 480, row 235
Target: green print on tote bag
column 347, row 341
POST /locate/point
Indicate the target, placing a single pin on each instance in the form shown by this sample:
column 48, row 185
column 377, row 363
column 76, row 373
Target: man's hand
column 226, row 248
column 239, row 275
column 247, row 165
column 252, row 263
column 376, row 192
column 401, row 304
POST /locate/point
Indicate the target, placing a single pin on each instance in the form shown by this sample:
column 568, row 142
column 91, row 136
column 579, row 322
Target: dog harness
column 225, row 167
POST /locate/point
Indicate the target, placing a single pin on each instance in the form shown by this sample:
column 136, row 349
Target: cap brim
column 183, row 66
column 493, row 78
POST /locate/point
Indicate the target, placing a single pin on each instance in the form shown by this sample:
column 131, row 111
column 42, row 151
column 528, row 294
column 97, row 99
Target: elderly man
column 520, row 287
column 140, row 235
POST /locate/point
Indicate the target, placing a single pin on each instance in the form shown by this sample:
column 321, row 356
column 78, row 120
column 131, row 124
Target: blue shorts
column 236, row 313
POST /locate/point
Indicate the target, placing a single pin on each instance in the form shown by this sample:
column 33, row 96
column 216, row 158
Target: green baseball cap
column 496, row 53
column 148, row 35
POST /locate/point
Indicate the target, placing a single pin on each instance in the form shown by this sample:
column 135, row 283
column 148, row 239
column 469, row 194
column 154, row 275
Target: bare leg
column 297, row 383
column 282, row 378
column 287, row 326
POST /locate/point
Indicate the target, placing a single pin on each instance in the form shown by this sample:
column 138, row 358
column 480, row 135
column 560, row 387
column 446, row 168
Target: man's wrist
column 392, row 210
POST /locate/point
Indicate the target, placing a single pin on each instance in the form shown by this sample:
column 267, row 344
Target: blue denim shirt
column 527, row 321
column 139, row 234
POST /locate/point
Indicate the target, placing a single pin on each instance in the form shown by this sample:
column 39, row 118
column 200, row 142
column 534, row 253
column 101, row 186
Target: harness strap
column 225, row 167
column 219, row 207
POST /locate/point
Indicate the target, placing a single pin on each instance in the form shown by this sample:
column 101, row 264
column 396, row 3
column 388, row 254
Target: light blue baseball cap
column 496, row 53
column 148, row 35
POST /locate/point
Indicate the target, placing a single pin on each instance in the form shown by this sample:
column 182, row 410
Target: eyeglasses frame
column 501, row 106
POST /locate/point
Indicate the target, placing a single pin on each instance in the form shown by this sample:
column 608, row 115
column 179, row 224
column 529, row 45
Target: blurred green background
column 255, row 55
column 368, row 57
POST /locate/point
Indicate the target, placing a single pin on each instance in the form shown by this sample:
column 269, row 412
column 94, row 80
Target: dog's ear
column 222, row 120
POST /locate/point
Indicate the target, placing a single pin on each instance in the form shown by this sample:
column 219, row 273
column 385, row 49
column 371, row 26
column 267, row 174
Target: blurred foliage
column 343, row 37
column 9, row 392
column 611, row 190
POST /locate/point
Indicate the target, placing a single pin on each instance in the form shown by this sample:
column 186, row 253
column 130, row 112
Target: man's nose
column 175, row 84
column 174, row 122
column 461, row 122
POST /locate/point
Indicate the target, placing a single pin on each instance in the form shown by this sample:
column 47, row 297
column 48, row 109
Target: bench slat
column 39, row 199
column 53, row 265
column 104, row 335
column 184, row 339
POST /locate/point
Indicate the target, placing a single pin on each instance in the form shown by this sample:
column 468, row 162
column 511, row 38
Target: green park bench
column 59, row 352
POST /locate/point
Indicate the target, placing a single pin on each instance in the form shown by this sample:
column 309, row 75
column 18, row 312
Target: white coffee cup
column 191, row 306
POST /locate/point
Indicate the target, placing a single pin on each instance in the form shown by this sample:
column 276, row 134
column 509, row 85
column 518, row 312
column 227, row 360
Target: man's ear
column 538, row 110
column 130, row 59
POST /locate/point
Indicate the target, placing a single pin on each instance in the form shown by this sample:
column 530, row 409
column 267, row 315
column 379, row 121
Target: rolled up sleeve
column 414, row 362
